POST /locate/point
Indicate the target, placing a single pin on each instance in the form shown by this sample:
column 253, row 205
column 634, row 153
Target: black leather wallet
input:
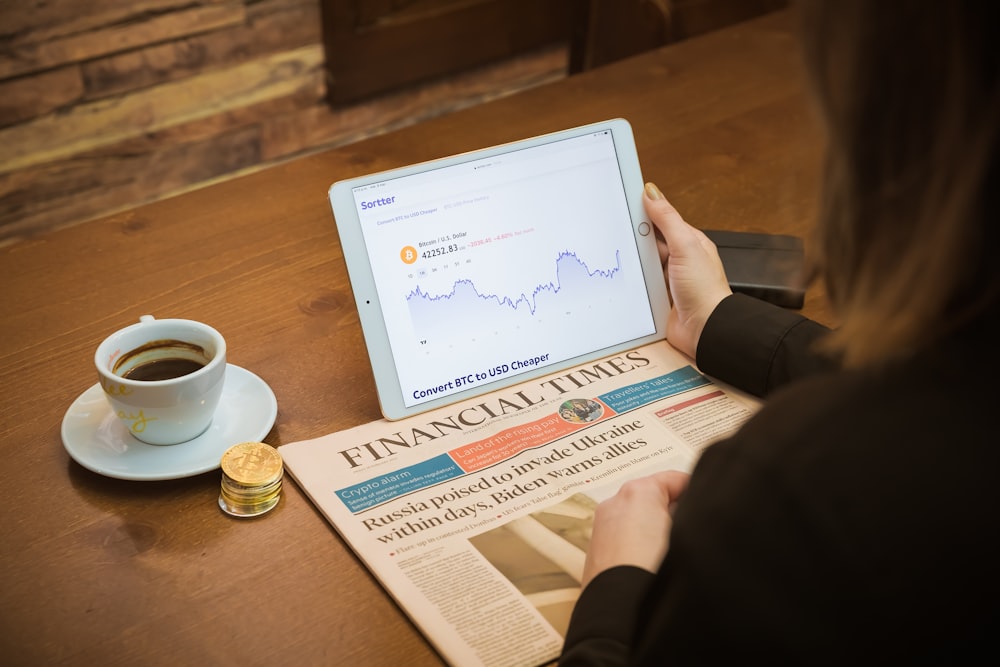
column 766, row 266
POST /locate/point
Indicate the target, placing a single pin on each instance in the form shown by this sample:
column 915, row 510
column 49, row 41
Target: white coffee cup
column 163, row 411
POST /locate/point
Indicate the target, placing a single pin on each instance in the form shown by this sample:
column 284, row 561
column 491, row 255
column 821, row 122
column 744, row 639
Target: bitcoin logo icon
column 408, row 254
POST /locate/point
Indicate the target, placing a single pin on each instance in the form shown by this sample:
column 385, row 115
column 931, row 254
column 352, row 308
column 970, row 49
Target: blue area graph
column 576, row 288
column 568, row 266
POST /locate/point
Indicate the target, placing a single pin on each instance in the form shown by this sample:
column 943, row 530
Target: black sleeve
column 749, row 575
column 758, row 347
column 604, row 618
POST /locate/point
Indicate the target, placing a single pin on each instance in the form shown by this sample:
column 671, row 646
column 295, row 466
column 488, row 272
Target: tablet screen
column 490, row 268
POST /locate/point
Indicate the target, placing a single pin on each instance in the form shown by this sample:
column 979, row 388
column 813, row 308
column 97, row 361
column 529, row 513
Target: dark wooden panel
column 696, row 17
column 318, row 125
column 604, row 31
column 377, row 46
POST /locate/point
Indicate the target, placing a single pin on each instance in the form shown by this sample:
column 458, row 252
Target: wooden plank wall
column 105, row 104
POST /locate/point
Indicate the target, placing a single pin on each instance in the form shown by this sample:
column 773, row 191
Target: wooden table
column 104, row 571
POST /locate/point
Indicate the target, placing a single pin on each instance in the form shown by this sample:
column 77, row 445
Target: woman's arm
column 748, row 343
column 759, row 347
column 630, row 538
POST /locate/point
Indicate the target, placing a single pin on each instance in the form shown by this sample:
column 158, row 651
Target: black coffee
column 163, row 369
column 161, row 360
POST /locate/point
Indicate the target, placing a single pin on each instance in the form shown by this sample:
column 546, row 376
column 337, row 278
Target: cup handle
column 146, row 318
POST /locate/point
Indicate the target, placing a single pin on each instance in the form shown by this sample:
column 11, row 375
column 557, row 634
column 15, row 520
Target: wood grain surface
column 103, row 571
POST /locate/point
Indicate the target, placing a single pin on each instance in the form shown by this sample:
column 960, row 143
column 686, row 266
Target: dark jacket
column 854, row 519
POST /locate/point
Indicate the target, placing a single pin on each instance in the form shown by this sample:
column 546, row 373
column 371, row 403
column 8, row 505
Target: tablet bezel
column 363, row 284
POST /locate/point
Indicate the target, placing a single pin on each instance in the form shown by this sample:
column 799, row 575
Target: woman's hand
column 633, row 526
column 696, row 279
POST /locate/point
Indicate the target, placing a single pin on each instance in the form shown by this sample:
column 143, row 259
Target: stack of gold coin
column 251, row 479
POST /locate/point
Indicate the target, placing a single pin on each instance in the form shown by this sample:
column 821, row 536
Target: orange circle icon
column 408, row 254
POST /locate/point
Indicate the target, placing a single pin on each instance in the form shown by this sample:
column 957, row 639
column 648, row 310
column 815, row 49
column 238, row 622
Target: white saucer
column 97, row 439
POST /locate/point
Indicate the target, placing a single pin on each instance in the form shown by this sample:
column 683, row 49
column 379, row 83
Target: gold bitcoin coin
column 249, row 505
column 252, row 464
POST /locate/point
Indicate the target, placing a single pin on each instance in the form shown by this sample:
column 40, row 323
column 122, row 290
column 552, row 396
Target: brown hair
column 907, row 232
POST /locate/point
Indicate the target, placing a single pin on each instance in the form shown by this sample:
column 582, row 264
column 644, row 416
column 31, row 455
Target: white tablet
column 484, row 269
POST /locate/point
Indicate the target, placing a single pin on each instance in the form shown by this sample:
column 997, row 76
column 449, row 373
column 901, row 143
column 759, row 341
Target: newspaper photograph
column 476, row 517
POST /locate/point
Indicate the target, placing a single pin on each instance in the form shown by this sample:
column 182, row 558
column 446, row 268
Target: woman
column 856, row 516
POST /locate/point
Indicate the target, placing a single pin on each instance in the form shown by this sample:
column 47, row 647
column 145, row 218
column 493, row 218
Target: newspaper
column 476, row 517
